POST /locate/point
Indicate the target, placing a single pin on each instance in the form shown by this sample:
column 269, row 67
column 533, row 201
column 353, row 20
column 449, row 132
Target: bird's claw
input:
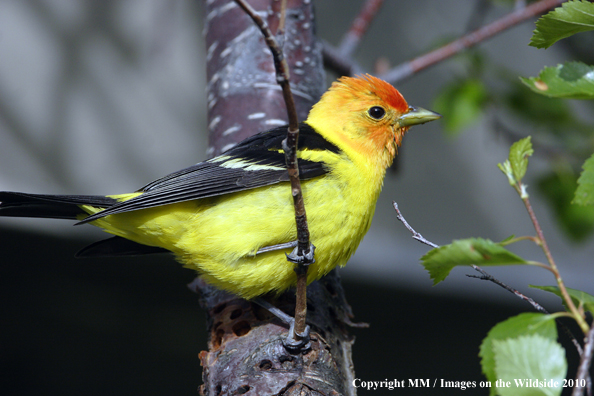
column 306, row 259
column 297, row 342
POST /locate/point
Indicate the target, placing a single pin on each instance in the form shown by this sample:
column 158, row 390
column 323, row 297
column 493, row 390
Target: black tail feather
column 118, row 246
column 16, row 204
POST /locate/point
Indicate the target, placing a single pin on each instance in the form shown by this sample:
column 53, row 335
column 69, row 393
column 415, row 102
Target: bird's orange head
column 366, row 116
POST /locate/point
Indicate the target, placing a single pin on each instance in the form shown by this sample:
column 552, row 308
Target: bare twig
column 304, row 253
column 280, row 31
column 411, row 67
column 583, row 373
column 488, row 277
column 341, row 65
column 359, row 27
column 339, row 59
column 415, row 234
column 484, row 274
column 477, row 17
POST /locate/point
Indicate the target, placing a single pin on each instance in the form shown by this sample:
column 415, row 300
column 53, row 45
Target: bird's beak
column 417, row 115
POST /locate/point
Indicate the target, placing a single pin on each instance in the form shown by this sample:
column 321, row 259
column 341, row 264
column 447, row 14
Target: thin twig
column 305, row 257
column 583, row 373
column 334, row 61
column 488, row 277
column 415, row 234
column 280, row 31
column 552, row 266
column 411, row 67
column 358, row 28
column 477, row 17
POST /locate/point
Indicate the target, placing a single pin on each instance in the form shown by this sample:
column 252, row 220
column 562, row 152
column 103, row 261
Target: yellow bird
column 231, row 218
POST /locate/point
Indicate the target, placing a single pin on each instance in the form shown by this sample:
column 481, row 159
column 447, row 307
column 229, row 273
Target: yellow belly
column 219, row 236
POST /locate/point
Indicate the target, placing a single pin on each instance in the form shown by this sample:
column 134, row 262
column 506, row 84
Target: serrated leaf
column 523, row 324
column 461, row 103
column 571, row 18
column 440, row 261
column 558, row 188
column 572, row 80
column 584, row 194
column 518, row 157
column 579, row 297
column 532, row 364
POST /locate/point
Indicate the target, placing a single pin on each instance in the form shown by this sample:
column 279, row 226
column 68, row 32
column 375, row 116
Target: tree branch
column 338, row 63
column 415, row 234
column 358, row 28
column 245, row 342
column 583, row 373
column 411, row 67
column 552, row 266
column 488, row 277
column 304, row 256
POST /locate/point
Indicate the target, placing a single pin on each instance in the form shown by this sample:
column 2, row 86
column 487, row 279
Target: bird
column 231, row 217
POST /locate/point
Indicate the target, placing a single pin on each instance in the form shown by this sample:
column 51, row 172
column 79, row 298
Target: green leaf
column 518, row 157
column 523, row 324
column 572, row 80
column 584, row 194
column 558, row 188
column 579, row 297
column 532, row 364
column 571, row 18
column 440, row 261
column 461, row 103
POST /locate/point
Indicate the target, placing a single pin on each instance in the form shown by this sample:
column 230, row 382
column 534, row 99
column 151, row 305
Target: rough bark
column 246, row 354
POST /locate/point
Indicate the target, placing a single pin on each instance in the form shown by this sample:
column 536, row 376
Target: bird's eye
column 377, row 112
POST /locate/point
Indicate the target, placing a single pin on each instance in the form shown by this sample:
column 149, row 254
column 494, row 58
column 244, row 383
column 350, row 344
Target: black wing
column 255, row 162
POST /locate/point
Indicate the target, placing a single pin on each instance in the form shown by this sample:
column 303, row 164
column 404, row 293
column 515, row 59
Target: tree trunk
column 246, row 354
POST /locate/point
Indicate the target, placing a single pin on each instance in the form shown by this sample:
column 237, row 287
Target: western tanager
column 231, row 217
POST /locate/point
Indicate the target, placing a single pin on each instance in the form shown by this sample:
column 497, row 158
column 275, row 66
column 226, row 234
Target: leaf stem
column 541, row 265
column 518, row 239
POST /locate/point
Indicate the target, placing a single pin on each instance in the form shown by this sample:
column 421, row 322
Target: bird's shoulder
column 258, row 157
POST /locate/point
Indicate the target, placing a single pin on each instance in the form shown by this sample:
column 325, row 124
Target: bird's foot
column 297, row 342
column 305, row 259
column 294, row 342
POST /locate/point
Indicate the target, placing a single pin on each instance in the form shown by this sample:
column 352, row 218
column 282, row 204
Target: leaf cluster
column 559, row 133
column 525, row 346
